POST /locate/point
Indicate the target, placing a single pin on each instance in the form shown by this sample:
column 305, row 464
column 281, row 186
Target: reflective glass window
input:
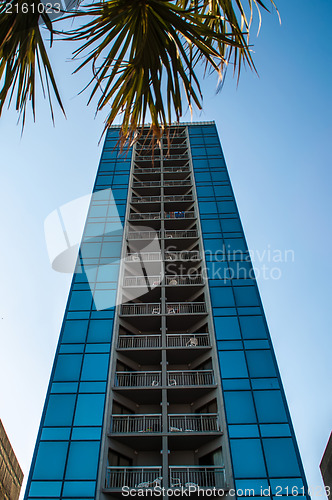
column 247, row 458
column 253, row 327
column 240, row 407
column 281, row 458
column 80, row 301
column 232, row 364
column 74, row 331
column 227, row 328
column 270, row 406
column 82, row 460
column 60, row 410
column 89, row 409
column 95, row 367
column 260, row 364
column 68, row 367
column 50, row 461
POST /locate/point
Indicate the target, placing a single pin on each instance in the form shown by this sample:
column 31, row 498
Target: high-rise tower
column 165, row 375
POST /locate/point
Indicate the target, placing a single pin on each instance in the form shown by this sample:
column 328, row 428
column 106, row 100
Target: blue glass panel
column 230, row 345
column 230, row 225
column 227, row 328
column 280, row 457
column 232, row 364
column 255, row 485
column 204, row 192
column 253, row 327
column 226, row 207
column 279, row 486
column 86, row 433
column 93, row 387
column 74, row 331
column 104, row 299
column 50, row 462
column 89, row 250
column 83, row 488
column 119, row 194
column 207, row 207
column 256, row 344
column 111, row 249
column 68, row 367
column 82, row 460
column 235, row 245
column 265, row 383
column 94, row 229
column 224, row 191
column 203, row 176
column 95, row 367
column 56, row 433
column 100, row 331
column 275, row 430
column 108, row 272
column 120, row 179
column 247, row 458
column 64, row 387
column 218, row 176
column 80, row 301
column 236, row 384
column 210, row 226
column 60, row 410
column 240, row 407
column 71, row 348
column 246, row 296
column 270, row 406
column 243, row 431
column 45, row 488
column 222, row 297
column 89, row 409
column 260, row 364
column 98, row 211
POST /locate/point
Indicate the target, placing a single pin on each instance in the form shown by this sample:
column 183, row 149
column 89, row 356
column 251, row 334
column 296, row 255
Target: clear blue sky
column 276, row 135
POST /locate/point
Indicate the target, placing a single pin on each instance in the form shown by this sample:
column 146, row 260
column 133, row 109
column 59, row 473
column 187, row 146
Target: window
column 260, row 364
column 89, row 409
column 253, row 327
column 270, row 406
column 68, row 367
column 227, row 328
column 281, row 458
column 60, row 410
column 232, row 364
column 50, row 462
column 95, row 367
column 82, row 460
column 100, row 330
column 247, row 458
column 74, row 331
column 240, row 407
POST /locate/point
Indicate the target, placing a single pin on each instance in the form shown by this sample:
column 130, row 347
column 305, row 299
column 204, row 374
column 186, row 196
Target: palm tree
column 143, row 54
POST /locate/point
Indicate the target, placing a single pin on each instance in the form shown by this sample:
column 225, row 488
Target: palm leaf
column 144, row 54
column 23, row 57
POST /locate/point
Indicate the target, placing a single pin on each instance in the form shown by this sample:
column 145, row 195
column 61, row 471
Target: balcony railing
column 191, row 233
column 144, row 216
column 178, row 197
column 176, row 170
column 137, row 379
column 145, row 184
column 155, row 308
column 123, row 424
column 140, row 309
column 183, row 156
column 190, row 378
column 188, row 340
column 174, row 280
column 133, row 477
column 139, row 341
column 183, row 255
column 185, row 308
column 194, row 476
column 145, row 199
column 143, row 235
column 144, row 256
column 150, row 281
column 138, row 170
column 178, row 182
column 180, row 214
column 203, row 422
column 151, row 157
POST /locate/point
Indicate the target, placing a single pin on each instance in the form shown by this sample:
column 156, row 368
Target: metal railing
column 140, row 157
column 190, row 378
column 150, row 281
column 140, row 309
column 188, row 340
column 178, row 182
column 137, row 379
column 176, row 170
column 123, row 424
column 183, row 156
column 189, row 279
column 183, row 255
column 185, row 307
column 139, row 170
column 133, row 477
column 197, row 476
column 189, row 233
column 144, row 216
column 139, row 341
column 191, row 422
column 145, row 199
column 178, row 197
column 144, row 256
column 180, row 214
column 146, row 184
column 143, row 235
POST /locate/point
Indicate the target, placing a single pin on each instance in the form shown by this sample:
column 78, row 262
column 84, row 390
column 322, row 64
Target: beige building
column 11, row 475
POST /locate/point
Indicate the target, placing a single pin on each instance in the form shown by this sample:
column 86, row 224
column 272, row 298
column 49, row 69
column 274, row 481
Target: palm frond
column 23, row 57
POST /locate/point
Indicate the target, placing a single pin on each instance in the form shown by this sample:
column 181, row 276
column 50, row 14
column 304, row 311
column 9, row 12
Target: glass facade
column 194, row 360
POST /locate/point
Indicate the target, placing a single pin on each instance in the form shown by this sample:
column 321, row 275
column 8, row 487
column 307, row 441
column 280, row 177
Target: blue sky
column 275, row 132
